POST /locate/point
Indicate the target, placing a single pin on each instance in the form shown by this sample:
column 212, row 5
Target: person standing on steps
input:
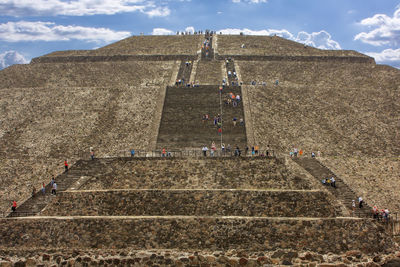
column 14, row 206
column 53, row 180
column 54, row 189
column 66, row 165
column 91, row 153
column 360, row 202
column 43, row 189
column 353, row 206
column 205, row 149
column 213, row 148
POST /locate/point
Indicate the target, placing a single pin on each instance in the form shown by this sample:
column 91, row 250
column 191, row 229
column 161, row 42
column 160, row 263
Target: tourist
column 238, row 98
column 33, row 191
column 312, row 154
column 386, row 215
column 353, row 205
column 53, row 180
column 223, row 148
column 66, row 165
column 241, row 122
column 360, row 202
column 205, row 149
column 234, row 121
column 228, row 148
column 163, row 153
column 237, row 152
column 213, row 148
column 375, row 212
column 132, row 152
column 319, row 153
column 92, row 153
column 256, row 148
column 54, row 189
column 14, row 206
column 43, row 189
column 246, row 150
column 276, row 82
column 301, row 152
column 333, row 182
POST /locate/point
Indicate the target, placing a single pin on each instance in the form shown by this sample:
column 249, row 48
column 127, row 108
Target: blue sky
column 31, row 28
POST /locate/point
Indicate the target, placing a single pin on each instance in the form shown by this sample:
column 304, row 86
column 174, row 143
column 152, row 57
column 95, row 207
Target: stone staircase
column 36, row 203
column 342, row 191
column 185, row 71
column 210, row 54
column 181, row 123
column 230, row 66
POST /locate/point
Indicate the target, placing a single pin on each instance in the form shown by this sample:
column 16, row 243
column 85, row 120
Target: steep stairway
column 342, row 191
column 207, row 51
column 182, row 125
column 36, row 203
column 230, row 70
column 185, row 71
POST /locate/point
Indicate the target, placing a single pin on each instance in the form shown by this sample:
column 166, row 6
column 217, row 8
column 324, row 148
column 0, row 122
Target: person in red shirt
column 66, row 165
column 14, row 206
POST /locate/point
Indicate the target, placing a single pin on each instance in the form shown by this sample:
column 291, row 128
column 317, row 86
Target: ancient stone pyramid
column 150, row 93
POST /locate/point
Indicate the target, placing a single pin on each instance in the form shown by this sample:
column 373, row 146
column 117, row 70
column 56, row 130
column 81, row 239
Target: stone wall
column 109, row 58
column 209, row 72
column 276, row 46
column 280, row 58
column 193, row 203
column 186, row 233
column 338, row 110
column 191, row 173
column 97, row 74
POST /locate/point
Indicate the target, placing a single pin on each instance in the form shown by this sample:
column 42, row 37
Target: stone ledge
column 220, row 233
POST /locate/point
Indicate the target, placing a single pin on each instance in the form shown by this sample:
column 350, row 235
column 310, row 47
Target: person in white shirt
column 205, row 149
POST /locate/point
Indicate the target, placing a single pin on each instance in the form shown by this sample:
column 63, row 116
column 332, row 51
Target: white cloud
column 189, row 29
column 10, row 58
column 162, row 31
column 48, row 31
column 387, row 56
column 158, row 12
column 383, row 30
column 321, row 39
column 79, row 7
column 269, row 32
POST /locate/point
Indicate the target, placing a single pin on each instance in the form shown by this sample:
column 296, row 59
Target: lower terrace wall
column 192, row 173
column 64, row 59
column 222, row 233
column 193, row 202
column 349, row 59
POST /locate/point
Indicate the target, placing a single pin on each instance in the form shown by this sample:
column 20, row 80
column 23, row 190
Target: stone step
column 325, row 235
column 198, row 202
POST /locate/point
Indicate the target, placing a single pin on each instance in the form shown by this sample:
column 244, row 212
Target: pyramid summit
column 169, row 97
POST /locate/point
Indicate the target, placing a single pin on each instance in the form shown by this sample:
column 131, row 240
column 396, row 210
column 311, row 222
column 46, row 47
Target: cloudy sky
column 31, row 28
